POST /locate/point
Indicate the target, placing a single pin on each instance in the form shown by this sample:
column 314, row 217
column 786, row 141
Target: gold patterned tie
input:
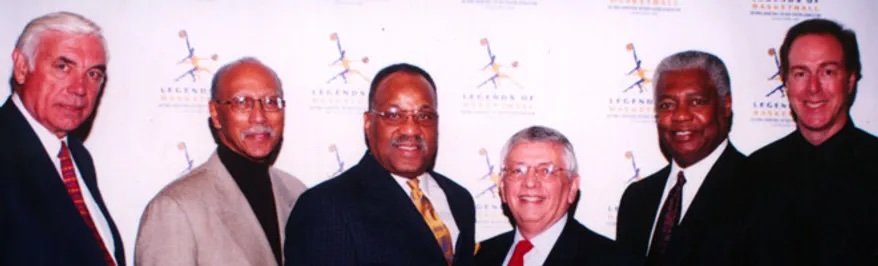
column 443, row 236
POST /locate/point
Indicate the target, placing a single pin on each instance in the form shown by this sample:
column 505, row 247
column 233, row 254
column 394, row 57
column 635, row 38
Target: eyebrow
column 102, row 68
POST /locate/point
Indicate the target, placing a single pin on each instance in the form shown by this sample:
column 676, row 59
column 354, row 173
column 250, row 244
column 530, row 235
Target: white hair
column 709, row 63
column 67, row 22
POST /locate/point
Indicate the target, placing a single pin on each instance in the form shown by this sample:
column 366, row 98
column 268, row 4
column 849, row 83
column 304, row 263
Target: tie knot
column 523, row 246
column 414, row 184
column 681, row 178
column 63, row 153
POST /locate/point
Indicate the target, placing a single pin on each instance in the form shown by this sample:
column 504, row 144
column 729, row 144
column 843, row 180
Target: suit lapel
column 709, row 206
column 458, row 206
column 86, row 168
column 50, row 198
column 283, row 202
column 237, row 214
column 386, row 193
column 565, row 247
column 493, row 251
column 652, row 196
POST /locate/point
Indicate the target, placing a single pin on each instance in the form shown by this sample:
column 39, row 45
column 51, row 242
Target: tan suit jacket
column 203, row 218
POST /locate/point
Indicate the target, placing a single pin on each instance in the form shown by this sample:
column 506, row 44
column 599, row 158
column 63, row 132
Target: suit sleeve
column 165, row 236
column 623, row 219
column 316, row 233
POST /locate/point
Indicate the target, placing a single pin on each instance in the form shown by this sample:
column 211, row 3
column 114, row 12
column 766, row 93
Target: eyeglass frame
column 250, row 103
column 551, row 170
column 404, row 116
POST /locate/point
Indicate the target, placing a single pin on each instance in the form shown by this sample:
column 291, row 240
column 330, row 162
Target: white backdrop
column 566, row 65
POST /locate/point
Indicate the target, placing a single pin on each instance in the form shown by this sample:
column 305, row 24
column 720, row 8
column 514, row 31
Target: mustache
column 259, row 129
column 422, row 144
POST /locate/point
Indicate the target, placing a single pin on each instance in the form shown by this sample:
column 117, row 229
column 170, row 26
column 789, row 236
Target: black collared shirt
column 819, row 204
column 255, row 183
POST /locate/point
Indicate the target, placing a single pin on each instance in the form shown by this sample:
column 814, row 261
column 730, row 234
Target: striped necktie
column 68, row 174
column 443, row 236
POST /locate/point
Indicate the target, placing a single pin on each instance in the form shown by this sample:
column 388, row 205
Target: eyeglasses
column 541, row 171
column 244, row 103
column 394, row 116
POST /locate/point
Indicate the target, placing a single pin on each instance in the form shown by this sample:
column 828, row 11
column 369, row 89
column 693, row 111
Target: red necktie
column 68, row 174
column 521, row 248
column 668, row 219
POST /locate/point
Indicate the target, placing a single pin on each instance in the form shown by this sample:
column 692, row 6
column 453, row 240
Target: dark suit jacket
column 39, row 224
column 363, row 217
column 576, row 246
column 710, row 231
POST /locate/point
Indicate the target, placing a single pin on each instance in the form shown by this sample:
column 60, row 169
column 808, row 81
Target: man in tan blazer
column 232, row 209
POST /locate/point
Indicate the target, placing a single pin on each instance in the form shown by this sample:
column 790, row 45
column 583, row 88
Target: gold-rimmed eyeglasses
column 395, row 116
column 244, row 103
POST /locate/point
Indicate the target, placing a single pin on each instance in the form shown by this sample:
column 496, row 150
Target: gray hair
column 67, row 22
column 692, row 59
column 214, row 83
column 543, row 134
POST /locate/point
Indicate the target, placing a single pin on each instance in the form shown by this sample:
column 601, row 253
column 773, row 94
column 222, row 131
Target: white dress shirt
column 695, row 176
column 543, row 244
column 434, row 193
column 52, row 144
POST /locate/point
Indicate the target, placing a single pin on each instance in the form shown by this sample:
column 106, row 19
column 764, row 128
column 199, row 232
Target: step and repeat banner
column 583, row 67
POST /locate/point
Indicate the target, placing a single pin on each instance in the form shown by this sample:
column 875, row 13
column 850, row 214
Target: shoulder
column 774, row 149
column 333, row 191
column 504, row 239
column 653, row 180
column 288, row 181
column 493, row 251
column 596, row 247
column 193, row 185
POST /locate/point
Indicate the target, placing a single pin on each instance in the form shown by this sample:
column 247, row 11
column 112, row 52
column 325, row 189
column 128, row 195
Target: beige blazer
column 203, row 218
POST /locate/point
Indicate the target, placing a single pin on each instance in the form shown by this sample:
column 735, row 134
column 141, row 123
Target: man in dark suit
column 539, row 182
column 820, row 205
column 391, row 208
column 691, row 211
column 51, row 210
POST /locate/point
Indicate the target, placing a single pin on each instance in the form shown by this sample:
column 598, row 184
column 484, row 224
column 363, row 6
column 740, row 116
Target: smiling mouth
column 815, row 104
column 682, row 135
column 531, row 199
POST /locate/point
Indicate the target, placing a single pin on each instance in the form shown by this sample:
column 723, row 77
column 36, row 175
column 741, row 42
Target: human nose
column 257, row 113
column 682, row 113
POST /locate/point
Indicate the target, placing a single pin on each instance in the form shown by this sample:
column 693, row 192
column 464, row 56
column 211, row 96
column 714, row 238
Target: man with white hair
column 691, row 211
column 51, row 210
column 539, row 183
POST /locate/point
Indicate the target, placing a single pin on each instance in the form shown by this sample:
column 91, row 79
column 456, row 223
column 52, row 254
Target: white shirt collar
column 695, row 175
column 542, row 242
column 50, row 142
column 701, row 168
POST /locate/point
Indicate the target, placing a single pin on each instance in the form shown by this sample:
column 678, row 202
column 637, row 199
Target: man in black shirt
column 820, row 200
column 231, row 210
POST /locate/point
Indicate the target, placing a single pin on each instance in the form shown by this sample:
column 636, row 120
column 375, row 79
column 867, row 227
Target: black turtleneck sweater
column 255, row 183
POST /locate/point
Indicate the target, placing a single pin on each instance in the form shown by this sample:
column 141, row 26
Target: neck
column 530, row 231
column 817, row 137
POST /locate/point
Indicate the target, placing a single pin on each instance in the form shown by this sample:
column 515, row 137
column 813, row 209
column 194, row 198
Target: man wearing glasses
column 231, row 210
column 391, row 208
column 539, row 182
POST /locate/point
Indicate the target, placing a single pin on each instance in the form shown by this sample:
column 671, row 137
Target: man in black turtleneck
column 820, row 206
column 231, row 210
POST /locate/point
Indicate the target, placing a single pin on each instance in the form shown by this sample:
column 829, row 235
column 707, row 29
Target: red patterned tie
column 521, row 248
column 68, row 174
column 668, row 220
